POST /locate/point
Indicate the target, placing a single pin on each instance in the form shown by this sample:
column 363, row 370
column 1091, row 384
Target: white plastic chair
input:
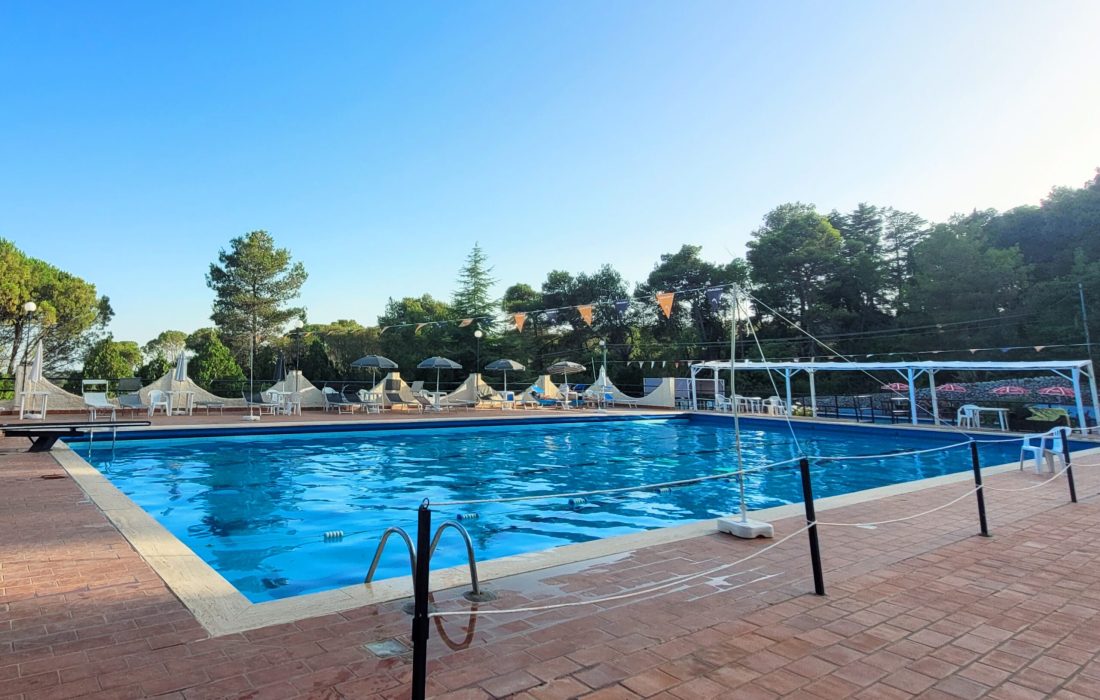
column 968, row 416
column 1046, row 446
column 158, row 398
column 774, row 406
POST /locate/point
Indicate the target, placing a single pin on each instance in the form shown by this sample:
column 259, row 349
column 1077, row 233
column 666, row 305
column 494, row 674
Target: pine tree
column 472, row 298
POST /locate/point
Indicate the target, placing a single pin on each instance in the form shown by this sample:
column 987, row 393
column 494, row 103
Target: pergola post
column 1077, row 398
column 787, row 379
column 912, row 395
column 932, row 390
column 813, row 394
column 693, row 373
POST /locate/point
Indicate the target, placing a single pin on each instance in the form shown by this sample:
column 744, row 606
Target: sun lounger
column 394, row 400
column 335, row 401
column 260, row 403
column 95, row 398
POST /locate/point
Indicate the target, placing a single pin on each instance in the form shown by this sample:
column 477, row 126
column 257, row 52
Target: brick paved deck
column 923, row 609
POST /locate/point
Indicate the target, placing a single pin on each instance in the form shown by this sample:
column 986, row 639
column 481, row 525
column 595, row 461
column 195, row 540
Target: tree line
column 873, row 283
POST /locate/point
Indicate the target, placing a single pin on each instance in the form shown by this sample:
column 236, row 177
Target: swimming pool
column 257, row 507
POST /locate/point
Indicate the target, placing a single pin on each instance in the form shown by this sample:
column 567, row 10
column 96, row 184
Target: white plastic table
column 1000, row 413
column 181, row 402
column 30, row 408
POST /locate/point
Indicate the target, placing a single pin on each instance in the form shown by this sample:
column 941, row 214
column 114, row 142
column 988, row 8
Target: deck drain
column 387, row 648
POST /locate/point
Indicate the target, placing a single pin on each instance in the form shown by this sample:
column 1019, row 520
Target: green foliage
column 793, row 257
column 111, row 359
column 69, row 314
column 252, row 286
column 212, row 364
column 155, row 367
column 168, row 344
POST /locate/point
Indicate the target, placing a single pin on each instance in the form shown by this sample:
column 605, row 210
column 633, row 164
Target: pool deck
column 923, row 608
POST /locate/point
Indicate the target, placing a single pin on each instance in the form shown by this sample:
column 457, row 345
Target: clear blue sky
column 379, row 141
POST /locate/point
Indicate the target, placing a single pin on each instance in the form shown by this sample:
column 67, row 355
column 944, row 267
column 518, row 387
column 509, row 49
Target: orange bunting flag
column 585, row 310
column 520, row 319
column 465, row 322
column 664, row 300
column 418, row 327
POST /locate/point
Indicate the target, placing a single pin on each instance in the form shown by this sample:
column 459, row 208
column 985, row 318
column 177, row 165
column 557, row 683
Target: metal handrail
column 382, row 545
column 474, row 583
column 476, row 589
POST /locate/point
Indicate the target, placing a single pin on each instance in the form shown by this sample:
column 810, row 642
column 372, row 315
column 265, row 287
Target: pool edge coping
column 221, row 609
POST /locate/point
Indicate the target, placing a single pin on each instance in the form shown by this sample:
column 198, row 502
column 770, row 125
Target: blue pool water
column 256, row 507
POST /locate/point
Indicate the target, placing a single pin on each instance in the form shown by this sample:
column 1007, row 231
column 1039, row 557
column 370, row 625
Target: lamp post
column 297, row 324
column 477, row 364
column 29, row 308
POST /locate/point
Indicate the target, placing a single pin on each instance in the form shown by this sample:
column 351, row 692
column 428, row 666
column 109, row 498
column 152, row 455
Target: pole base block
column 746, row 529
column 250, row 417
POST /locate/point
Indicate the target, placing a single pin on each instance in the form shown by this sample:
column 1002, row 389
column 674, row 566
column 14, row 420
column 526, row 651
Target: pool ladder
column 475, row 594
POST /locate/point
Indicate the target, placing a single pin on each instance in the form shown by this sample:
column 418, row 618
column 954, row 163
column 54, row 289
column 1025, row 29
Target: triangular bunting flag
column 664, row 300
column 664, row 363
column 384, row 329
column 551, row 316
column 1040, row 348
column 465, row 322
column 973, row 350
column 418, row 327
column 714, row 296
column 621, row 306
column 585, row 310
column 520, row 318
column 652, row 364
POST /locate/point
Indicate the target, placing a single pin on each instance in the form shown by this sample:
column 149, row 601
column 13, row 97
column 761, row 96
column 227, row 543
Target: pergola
column 1071, row 370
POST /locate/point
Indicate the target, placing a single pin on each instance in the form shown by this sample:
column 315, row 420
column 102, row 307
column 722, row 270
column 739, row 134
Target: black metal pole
column 980, row 492
column 811, row 519
column 420, row 628
column 1069, row 466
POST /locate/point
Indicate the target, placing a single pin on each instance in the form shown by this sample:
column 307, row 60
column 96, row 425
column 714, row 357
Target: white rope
column 1056, row 474
column 604, row 492
column 771, row 378
column 908, row 517
column 889, row 454
column 621, row 596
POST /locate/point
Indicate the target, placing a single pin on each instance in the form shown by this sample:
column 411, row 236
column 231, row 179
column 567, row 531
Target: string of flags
column 664, row 300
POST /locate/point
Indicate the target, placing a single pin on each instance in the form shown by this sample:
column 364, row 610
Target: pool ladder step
column 476, row 594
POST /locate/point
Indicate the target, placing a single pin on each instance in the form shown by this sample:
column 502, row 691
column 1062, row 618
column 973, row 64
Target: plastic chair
column 159, row 399
column 1049, row 446
column 774, row 406
column 721, row 403
column 968, row 416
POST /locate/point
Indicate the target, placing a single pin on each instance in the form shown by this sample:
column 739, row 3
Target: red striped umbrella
column 896, row 386
column 952, row 388
column 1010, row 390
column 1058, row 391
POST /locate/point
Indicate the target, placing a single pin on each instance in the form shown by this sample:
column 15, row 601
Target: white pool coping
column 221, row 609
